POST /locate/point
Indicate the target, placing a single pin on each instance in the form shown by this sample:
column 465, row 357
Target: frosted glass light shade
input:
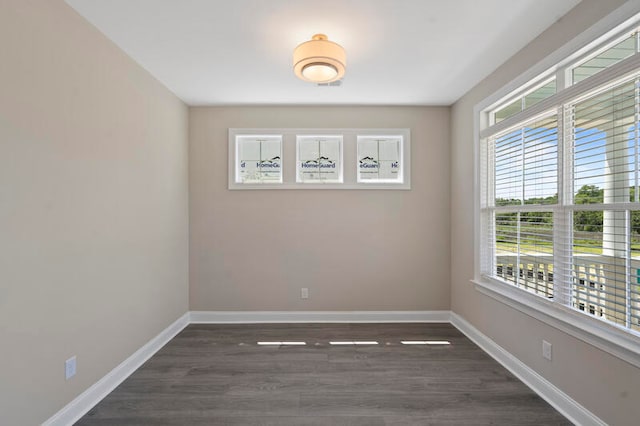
column 319, row 72
column 319, row 60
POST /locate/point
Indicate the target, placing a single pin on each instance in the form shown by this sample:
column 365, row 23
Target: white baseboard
column 84, row 402
column 545, row 389
column 249, row 317
column 554, row 396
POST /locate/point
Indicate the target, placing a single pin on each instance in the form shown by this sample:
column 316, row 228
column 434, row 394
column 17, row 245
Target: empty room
column 338, row 212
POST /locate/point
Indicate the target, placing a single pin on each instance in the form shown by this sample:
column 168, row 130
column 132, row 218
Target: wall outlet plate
column 546, row 350
column 70, row 368
column 304, row 293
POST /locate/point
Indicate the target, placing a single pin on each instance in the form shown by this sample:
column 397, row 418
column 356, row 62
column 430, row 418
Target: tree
column 589, row 194
column 588, row 221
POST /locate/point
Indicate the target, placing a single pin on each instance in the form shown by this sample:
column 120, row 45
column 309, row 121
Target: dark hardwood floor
column 219, row 375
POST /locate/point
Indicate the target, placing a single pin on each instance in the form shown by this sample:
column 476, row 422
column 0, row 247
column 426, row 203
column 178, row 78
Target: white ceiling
column 399, row 52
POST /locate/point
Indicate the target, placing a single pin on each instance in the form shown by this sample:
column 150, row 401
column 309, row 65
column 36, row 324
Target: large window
column 559, row 180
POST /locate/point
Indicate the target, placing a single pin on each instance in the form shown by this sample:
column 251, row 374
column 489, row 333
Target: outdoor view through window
column 561, row 199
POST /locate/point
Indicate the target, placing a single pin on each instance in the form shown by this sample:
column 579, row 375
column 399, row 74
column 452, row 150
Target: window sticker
column 259, row 159
column 319, row 159
column 379, row 159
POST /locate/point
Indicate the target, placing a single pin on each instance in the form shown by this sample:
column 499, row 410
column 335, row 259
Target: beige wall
column 93, row 207
column 602, row 383
column 353, row 249
column 93, row 219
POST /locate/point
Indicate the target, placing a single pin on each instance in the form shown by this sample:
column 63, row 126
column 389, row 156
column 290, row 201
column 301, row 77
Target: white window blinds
column 525, row 177
column 605, row 250
column 561, row 202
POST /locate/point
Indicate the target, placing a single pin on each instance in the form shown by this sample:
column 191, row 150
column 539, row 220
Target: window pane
column 506, row 231
column 526, row 101
column 526, row 164
column 379, row 159
column 540, row 94
column 611, row 56
column 509, row 110
column 508, row 169
column 319, row 159
column 259, row 159
column 524, row 250
column 605, row 146
column 599, row 268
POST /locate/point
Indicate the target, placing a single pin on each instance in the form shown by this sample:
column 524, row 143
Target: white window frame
column 349, row 158
column 620, row 342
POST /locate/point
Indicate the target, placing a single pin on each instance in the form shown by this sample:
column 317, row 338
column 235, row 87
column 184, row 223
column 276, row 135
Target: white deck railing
column 599, row 282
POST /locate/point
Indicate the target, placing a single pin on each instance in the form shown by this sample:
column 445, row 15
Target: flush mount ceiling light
column 319, row 60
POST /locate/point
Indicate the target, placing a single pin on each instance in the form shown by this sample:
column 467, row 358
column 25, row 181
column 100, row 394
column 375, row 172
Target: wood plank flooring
column 218, row 375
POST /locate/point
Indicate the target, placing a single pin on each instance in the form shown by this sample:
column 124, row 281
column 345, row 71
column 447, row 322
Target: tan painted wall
column 602, row 383
column 353, row 249
column 93, row 219
column 93, row 207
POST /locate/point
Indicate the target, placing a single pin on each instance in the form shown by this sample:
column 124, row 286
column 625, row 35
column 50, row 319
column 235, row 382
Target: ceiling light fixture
column 319, row 60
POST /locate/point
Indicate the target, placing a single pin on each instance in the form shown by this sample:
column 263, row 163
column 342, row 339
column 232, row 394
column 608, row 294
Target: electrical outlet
column 304, row 293
column 546, row 350
column 70, row 367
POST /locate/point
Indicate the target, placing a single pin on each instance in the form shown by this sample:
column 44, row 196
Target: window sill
column 614, row 340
